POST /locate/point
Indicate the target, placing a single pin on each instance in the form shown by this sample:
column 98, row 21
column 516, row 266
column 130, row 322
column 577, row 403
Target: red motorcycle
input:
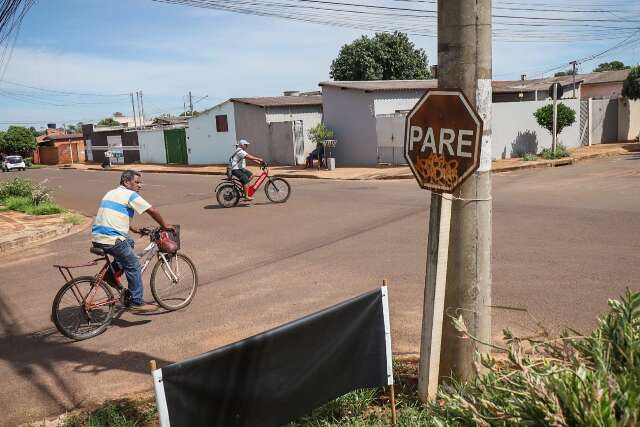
column 229, row 191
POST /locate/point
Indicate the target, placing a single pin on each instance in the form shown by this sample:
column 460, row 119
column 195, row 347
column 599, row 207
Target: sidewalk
column 377, row 172
column 19, row 231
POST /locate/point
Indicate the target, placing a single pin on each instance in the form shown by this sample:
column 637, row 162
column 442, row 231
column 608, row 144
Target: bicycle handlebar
column 148, row 231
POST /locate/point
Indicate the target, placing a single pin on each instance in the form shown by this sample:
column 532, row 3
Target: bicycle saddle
column 97, row 251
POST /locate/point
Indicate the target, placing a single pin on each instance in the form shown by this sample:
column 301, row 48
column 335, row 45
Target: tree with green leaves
column 611, row 66
column 544, row 117
column 385, row 56
column 109, row 121
column 564, row 73
column 631, row 85
column 17, row 140
column 35, row 132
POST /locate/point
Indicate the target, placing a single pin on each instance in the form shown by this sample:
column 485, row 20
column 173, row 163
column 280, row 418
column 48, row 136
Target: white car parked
column 13, row 163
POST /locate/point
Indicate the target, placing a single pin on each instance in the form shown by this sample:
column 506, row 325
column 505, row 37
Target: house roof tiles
column 499, row 86
column 281, row 101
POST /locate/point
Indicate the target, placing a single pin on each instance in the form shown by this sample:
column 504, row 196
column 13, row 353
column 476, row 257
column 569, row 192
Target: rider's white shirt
column 238, row 159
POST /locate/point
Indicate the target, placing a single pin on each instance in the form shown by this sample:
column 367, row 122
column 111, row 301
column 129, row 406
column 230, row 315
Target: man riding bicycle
column 110, row 231
column 238, row 164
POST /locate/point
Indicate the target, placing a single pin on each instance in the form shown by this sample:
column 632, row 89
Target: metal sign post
column 442, row 147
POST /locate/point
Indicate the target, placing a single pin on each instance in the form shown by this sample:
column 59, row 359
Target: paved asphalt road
column 565, row 240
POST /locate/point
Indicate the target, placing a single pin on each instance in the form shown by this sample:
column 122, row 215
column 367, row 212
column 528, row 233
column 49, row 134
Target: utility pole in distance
column 574, row 64
column 190, row 104
column 133, row 107
column 464, row 61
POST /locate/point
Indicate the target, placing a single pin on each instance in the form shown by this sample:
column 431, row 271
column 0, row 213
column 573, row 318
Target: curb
column 31, row 239
column 525, row 165
column 21, row 242
column 547, row 164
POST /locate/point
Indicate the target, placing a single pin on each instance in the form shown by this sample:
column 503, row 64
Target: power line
column 410, row 24
column 61, row 92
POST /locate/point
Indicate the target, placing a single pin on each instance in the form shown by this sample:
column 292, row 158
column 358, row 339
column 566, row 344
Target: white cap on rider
column 243, row 142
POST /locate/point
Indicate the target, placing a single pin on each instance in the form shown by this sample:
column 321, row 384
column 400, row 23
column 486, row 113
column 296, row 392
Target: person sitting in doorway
column 316, row 154
column 238, row 165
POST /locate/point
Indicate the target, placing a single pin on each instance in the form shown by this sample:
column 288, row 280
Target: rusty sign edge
column 478, row 140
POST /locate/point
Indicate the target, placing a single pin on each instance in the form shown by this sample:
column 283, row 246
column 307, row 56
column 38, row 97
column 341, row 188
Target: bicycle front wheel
column 277, row 190
column 83, row 308
column 174, row 281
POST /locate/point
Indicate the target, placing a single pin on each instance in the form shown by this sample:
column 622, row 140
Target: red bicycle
column 85, row 305
column 229, row 191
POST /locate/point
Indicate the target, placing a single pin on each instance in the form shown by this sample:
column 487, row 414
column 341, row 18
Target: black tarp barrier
column 277, row 376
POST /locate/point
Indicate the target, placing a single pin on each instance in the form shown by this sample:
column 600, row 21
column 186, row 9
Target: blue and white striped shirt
column 114, row 215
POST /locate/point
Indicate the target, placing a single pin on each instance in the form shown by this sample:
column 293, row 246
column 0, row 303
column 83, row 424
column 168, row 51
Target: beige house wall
column 601, row 90
column 628, row 119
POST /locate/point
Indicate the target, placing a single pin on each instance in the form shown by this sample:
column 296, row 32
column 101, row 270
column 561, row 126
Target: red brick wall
column 61, row 154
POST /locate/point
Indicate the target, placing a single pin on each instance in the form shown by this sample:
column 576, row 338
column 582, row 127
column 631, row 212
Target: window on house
column 221, row 123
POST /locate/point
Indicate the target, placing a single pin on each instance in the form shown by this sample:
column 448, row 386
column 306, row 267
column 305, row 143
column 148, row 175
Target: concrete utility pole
column 574, row 64
column 140, row 124
column 464, row 60
column 133, row 107
column 190, row 104
column 142, row 108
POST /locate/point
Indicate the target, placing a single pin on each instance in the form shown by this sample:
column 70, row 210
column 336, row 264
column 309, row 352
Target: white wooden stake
column 434, row 291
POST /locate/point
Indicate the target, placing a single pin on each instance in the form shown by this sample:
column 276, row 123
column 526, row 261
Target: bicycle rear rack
column 65, row 270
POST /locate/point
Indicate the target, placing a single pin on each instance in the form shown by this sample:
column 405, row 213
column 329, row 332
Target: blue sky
column 120, row 46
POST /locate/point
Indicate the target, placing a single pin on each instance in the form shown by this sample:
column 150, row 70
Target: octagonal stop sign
column 442, row 140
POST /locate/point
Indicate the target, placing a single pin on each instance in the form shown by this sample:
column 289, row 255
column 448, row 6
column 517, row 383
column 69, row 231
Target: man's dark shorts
column 243, row 175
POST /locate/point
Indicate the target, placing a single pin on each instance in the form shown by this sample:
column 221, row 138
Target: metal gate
column 175, row 144
column 298, row 141
column 390, row 135
column 584, row 122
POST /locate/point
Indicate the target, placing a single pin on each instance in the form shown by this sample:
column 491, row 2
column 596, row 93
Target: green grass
column 529, row 157
column 72, row 218
column 17, row 203
column 116, row 413
column 46, row 208
column 26, row 205
column 21, row 195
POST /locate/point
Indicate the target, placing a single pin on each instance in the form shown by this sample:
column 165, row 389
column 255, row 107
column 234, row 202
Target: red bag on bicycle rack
column 168, row 241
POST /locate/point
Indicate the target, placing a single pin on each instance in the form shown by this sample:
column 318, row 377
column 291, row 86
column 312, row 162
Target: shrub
column 17, row 187
column 569, row 381
column 528, row 157
column 41, row 194
column 549, row 154
column 28, row 162
column 320, row 133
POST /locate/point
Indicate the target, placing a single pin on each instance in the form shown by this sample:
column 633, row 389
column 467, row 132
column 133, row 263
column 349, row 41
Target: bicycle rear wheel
column 227, row 195
column 174, row 282
column 277, row 190
column 83, row 308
